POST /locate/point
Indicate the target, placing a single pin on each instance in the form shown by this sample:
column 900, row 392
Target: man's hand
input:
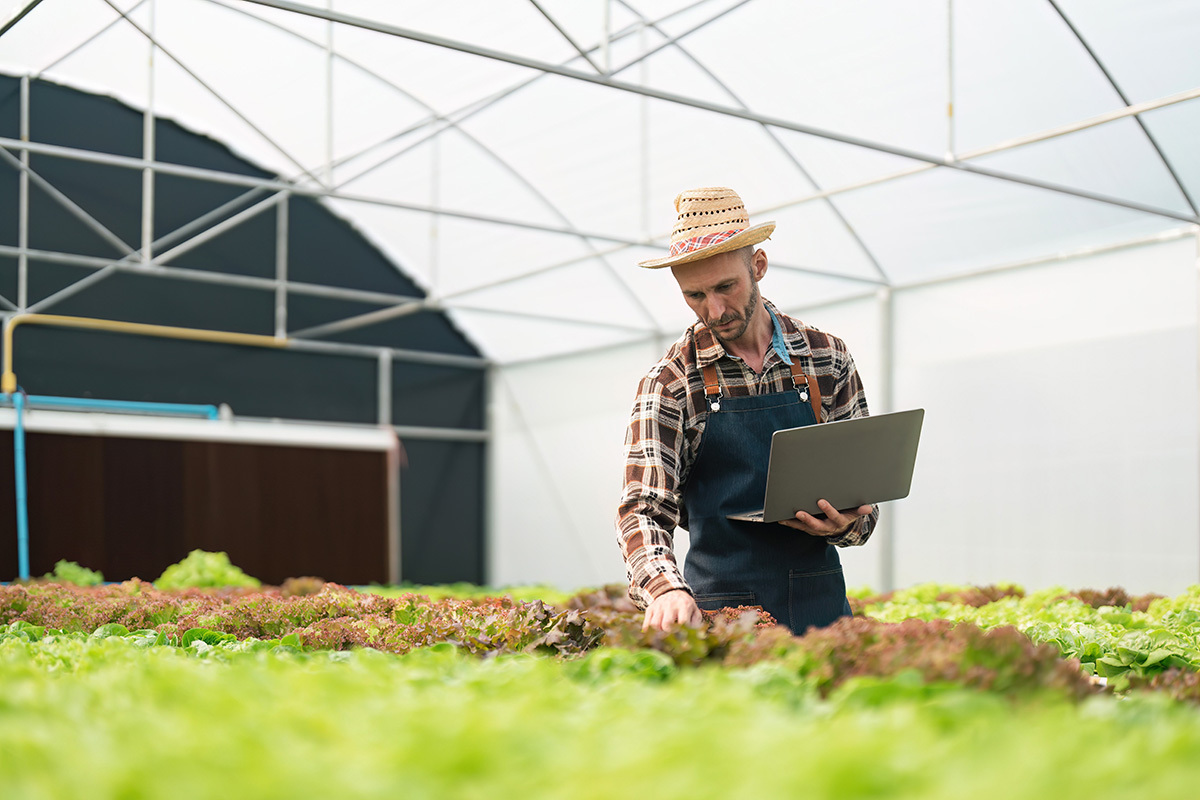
column 835, row 522
column 675, row 606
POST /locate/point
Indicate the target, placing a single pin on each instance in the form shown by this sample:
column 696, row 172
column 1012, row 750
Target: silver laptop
column 850, row 463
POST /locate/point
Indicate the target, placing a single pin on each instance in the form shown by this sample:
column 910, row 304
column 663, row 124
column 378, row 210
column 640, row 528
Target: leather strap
column 814, row 389
column 712, row 389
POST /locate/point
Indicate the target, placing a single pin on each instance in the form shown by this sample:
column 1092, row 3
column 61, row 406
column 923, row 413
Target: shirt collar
column 777, row 342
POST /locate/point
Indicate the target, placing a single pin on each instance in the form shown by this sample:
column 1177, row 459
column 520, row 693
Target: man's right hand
column 674, row 607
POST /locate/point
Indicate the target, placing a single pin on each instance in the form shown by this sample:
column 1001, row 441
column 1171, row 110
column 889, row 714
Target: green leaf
column 207, row 636
column 1157, row 656
column 111, row 629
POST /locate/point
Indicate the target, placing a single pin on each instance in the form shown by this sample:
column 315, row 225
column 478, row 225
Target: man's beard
column 744, row 318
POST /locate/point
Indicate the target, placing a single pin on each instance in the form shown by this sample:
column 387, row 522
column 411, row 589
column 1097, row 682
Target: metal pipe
column 22, row 507
column 413, row 306
column 608, row 37
column 23, row 203
column 440, row 434
column 887, row 310
column 949, row 83
column 555, row 318
column 18, row 15
column 281, row 268
column 395, row 458
column 148, row 150
column 329, row 56
column 383, row 379
column 8, row 382
column 1154, row 238
column 137, row 406
column 1083, row 124
column 397, row 353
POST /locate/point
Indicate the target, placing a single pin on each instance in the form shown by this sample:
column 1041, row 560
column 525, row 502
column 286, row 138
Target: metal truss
column 153, row 256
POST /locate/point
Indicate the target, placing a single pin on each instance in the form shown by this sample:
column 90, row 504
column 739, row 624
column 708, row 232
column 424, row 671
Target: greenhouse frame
column 440, row 208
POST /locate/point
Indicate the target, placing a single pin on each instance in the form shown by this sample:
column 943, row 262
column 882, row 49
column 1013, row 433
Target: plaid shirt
column 668, row 420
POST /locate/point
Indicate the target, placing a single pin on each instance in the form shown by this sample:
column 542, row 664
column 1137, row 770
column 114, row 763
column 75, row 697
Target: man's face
column 723, row 291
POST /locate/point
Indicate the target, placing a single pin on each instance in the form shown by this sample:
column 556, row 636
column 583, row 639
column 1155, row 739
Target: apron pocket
column 715, row 602
column 816, row 598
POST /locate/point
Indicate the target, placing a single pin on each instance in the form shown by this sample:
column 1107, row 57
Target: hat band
column 700, row 242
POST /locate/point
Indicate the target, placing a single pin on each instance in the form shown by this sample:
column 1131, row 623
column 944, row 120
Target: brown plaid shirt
column 668, row 420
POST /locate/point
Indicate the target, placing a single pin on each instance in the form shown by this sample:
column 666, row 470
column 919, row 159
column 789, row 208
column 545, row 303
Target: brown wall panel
column 130, row 507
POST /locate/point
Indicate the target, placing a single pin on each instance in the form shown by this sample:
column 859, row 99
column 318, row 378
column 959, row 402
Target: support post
column 148, row 149
column 887, row 400
column 281, row 264
column 949, row 80
column 385, row 387
column 23, row 204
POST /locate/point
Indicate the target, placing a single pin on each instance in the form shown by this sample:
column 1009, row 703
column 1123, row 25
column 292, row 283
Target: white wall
column 556, row 467
column 1060, row 443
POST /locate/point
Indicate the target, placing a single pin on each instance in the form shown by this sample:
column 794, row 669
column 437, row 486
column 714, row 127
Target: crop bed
column 313, row 689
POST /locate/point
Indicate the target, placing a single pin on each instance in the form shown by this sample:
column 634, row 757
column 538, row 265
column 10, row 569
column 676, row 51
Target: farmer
column 699, row 438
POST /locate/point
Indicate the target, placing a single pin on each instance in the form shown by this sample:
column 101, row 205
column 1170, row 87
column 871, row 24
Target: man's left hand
column 835, row 522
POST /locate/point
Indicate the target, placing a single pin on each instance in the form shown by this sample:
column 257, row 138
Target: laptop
column 850, row 463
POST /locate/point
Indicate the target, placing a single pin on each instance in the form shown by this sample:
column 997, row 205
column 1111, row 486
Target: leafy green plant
column 70, row 572
column 111, row 717
column 202, row 569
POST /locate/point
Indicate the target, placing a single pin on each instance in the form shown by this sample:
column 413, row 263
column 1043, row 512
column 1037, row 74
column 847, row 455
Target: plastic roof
column 516, row 158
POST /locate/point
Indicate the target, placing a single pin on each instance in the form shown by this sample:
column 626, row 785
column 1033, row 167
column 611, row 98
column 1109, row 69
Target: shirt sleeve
column 649, row 509
column 850, row 402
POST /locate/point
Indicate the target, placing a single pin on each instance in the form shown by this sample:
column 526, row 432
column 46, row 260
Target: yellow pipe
column 8, row 382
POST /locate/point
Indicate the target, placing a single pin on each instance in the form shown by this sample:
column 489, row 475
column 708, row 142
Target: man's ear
column 758, row 263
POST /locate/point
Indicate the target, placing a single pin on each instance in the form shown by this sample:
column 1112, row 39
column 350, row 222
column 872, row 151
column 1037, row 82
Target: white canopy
column 517, row 157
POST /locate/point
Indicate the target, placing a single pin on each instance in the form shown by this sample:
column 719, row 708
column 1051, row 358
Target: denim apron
column 794, row 576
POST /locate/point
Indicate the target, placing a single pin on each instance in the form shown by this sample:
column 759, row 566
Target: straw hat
column 711, row 221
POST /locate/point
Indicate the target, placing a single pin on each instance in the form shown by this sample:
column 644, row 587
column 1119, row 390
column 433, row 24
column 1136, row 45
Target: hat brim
column 741, row 239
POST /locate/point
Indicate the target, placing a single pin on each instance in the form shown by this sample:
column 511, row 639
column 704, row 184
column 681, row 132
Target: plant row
column 108, row 717
column 1111, row 634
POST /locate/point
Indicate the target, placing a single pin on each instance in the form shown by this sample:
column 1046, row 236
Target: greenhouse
column 301, row 296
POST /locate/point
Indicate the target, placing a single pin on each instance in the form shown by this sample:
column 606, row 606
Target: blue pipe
column 22, row 514
column 178, row 409
column 19, row 401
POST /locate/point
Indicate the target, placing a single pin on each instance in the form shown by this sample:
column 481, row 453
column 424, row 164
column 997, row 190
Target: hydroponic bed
column 312, row 689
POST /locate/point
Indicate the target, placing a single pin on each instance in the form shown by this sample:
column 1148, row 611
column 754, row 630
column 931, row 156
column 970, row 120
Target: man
column 699, row 438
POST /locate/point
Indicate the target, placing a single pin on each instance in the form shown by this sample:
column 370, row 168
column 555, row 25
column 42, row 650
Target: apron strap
column 712, row 389
column 811, row 386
